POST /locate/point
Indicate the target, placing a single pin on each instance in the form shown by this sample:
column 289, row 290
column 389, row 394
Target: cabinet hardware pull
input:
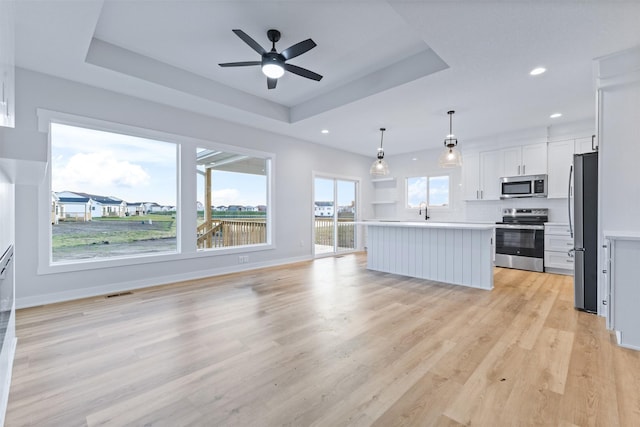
column 518, row 169
column 523, row 168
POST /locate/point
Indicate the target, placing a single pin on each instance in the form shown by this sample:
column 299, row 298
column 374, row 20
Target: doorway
column 334, row 216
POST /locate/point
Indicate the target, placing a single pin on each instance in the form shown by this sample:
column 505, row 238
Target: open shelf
column 383, row 202
column 385, row 179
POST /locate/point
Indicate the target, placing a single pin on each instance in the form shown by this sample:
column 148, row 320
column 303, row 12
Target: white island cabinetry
column 623, row 292
column 456, row 253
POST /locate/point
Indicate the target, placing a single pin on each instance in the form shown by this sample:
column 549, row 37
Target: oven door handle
column 520, row 227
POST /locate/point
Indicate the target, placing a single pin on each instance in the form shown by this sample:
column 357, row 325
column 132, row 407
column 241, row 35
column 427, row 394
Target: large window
column 113, row 195
column 432, row 190
column 233, row 194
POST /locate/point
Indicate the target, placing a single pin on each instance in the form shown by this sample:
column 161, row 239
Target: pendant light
column 451, row 156
column 380, row 168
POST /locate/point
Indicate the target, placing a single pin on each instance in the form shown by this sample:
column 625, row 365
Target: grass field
column 110, row 230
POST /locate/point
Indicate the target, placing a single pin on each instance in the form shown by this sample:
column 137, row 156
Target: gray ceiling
column 397, row 64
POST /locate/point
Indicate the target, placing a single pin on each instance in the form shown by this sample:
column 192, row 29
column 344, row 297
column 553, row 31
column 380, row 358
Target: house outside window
column 233, row 191
column 94, row 175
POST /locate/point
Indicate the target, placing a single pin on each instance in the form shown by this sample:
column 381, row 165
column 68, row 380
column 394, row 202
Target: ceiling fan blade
column 271, row 83
column 240, row 64
column 251, row 42
column 302, row 72
column 298, row 49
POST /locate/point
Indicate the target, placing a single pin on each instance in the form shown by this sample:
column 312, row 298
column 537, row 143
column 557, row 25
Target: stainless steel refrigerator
column 585, row 230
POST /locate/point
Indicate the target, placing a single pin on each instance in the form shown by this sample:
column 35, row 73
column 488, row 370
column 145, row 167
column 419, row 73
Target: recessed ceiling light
column 415, row 158
column 555, row 115
column 537, row 71
column 324, row 131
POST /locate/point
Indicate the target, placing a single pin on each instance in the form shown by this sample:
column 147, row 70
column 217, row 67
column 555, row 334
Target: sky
column 324, row 191
column 231, row 188
column 438, row 190
column 135, row 169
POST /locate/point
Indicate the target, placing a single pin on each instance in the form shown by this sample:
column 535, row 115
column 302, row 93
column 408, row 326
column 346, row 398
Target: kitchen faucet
column 423, row 205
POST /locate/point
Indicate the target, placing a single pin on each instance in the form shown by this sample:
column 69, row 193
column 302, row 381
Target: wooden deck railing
column 221, row 233
column 346, row 232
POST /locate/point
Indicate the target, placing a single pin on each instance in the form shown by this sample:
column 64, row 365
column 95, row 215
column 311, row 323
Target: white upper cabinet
column 560, row 158
column 471, row 176
column 584, row 145
column 7, row 64
column 525, row 160
column 491, row 169
column 481, row 173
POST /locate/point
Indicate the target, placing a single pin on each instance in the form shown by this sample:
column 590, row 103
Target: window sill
column 146, row 259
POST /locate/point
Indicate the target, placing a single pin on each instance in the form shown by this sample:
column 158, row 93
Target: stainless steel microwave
column 523, row 186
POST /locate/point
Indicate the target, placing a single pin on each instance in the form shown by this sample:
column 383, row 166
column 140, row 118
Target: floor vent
column 119, row 294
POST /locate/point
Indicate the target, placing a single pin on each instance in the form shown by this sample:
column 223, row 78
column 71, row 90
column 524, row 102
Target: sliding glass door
column 335, row 213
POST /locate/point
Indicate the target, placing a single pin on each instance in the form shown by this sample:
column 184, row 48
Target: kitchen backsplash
column 492, row 210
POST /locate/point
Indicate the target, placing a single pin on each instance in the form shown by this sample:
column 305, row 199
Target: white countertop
column 561, row 224
column 621, row 235
column 429, row 224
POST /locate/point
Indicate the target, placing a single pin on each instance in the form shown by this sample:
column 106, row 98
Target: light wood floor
column 324, row 343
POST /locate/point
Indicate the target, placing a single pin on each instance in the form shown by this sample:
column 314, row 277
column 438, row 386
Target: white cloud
column 134, row 148
column 97, row 172
column 416, row 191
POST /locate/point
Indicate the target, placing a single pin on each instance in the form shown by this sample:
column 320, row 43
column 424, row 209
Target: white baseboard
column 621, row 343
column 50, row 298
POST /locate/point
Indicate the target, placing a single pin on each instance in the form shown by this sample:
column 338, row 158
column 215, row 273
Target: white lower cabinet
column 557, row 243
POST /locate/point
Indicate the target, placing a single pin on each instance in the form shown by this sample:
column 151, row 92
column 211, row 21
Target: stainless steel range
column 520, row 239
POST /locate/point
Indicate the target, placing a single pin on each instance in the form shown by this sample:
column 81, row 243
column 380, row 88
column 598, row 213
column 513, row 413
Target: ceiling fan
column 273, row 63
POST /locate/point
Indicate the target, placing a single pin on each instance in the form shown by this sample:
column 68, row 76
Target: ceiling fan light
column 272, row 70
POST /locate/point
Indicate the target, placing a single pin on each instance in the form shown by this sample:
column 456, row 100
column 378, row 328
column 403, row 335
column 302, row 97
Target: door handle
column 523, row 169
column 518, row 169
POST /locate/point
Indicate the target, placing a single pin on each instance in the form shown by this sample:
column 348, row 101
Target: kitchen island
column 449, row 252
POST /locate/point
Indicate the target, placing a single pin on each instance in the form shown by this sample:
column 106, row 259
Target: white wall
column 6, row 213
column 619, row 135
column 426, row 163
column 295, row 161
column 618, row 82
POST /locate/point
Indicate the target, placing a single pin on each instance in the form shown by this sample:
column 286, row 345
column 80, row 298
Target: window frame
column 430, row 207
column 269, row 161
column 185, row 200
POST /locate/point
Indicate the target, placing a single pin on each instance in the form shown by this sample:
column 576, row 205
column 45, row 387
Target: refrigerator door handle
column 569, row 201
column 578, row 283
